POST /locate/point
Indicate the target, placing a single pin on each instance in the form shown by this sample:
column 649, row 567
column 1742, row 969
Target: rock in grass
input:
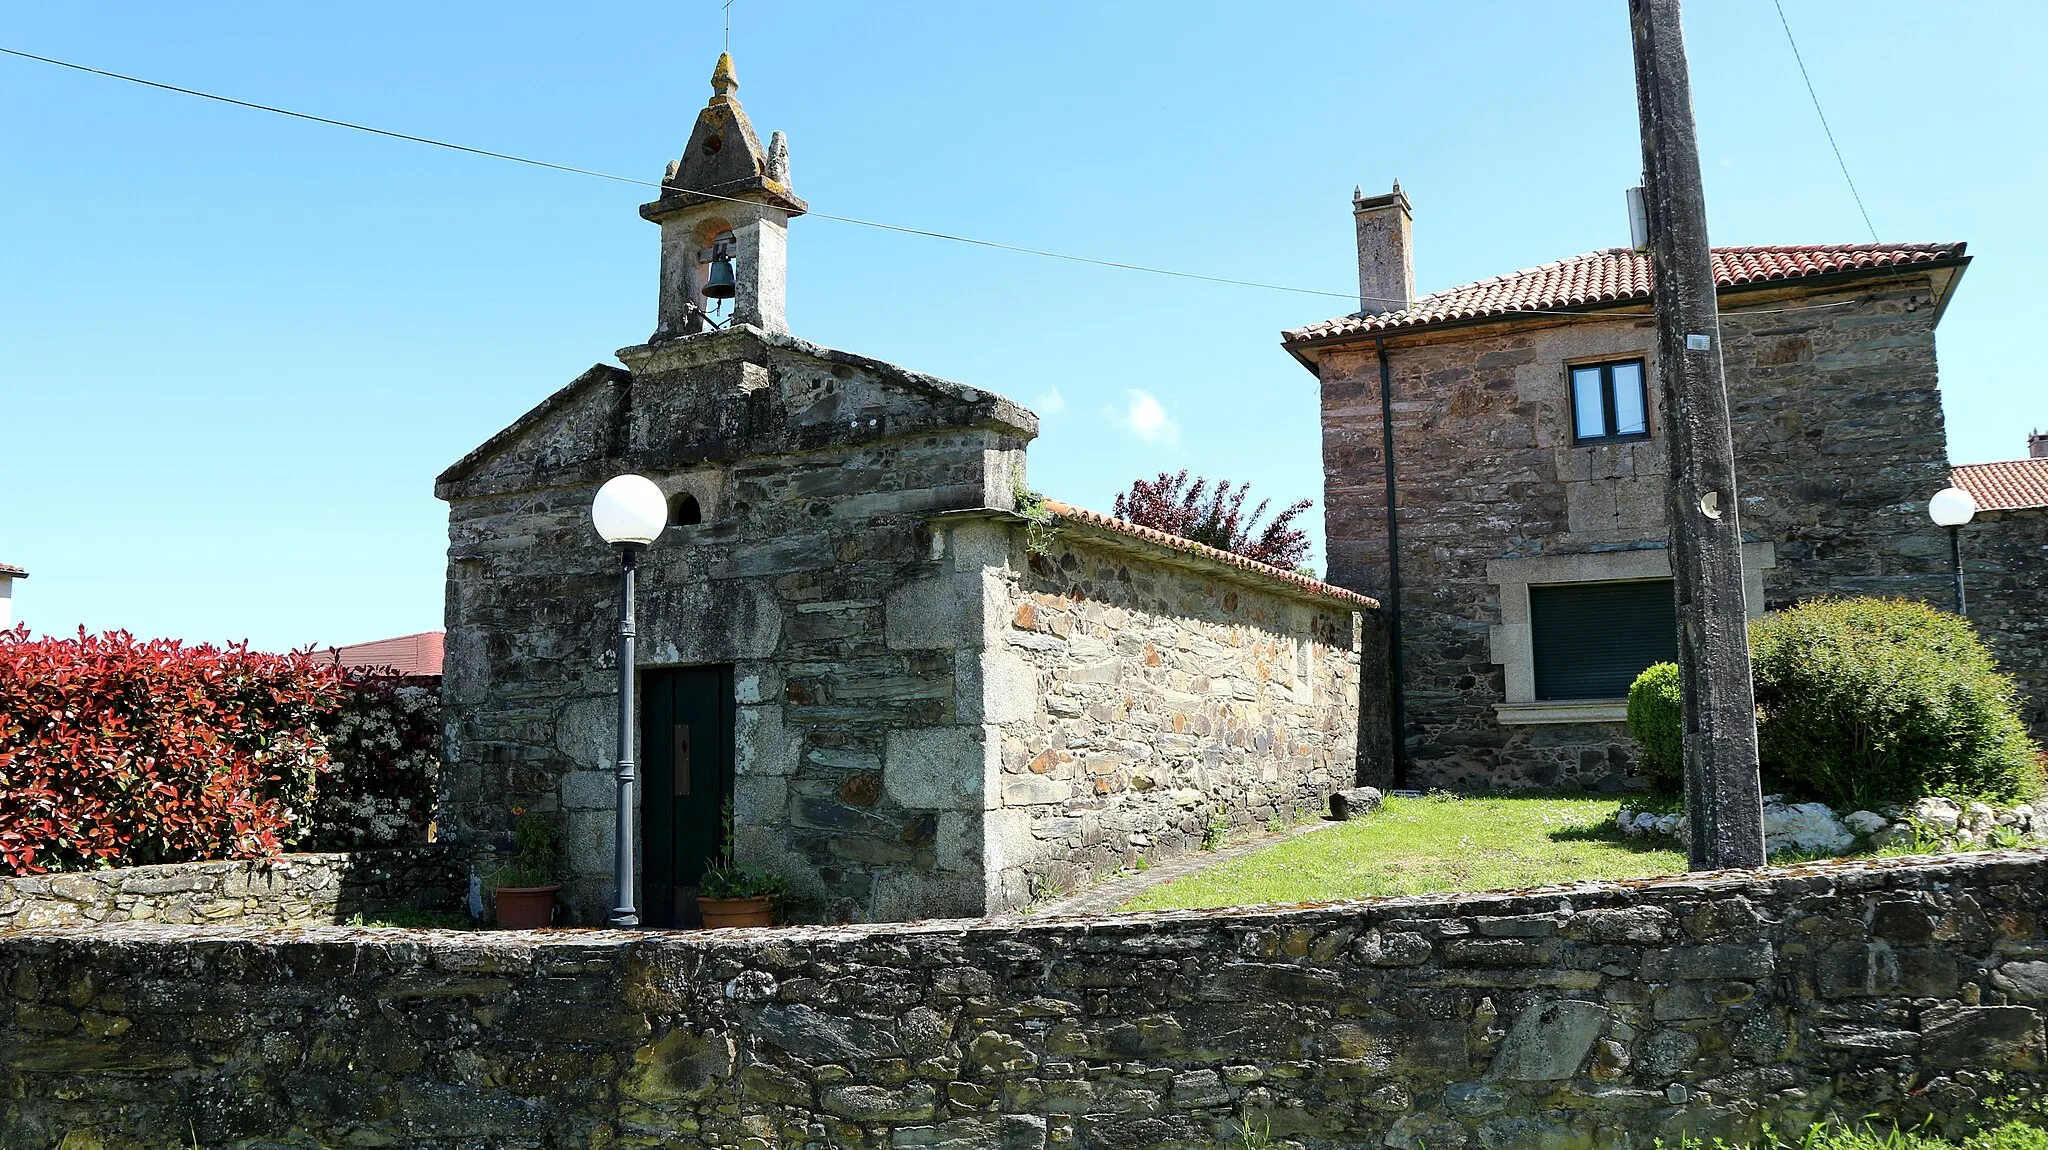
column 1936, row 814
column 1354, row 803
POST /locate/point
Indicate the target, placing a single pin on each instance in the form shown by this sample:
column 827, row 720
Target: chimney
column 2037, row 446
column 1386, row 254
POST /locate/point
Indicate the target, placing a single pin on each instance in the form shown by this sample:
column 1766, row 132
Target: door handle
column 681, row 773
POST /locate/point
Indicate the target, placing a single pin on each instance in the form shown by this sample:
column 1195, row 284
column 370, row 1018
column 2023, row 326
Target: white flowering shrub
column 384, row 765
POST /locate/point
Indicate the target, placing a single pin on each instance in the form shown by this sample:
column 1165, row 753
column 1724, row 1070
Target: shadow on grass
column 1611, row 835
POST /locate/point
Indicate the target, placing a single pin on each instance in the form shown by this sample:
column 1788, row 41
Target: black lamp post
column 1952, row 507
column 629, row 513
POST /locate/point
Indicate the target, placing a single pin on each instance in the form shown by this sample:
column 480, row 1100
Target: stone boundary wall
column 1596, row 1015
column 291, row 890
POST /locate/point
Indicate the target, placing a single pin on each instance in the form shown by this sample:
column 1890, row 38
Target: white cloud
column 1050, row 402
column 1147, row 418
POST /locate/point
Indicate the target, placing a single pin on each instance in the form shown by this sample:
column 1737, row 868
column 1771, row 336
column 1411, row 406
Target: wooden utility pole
column 1723, row 798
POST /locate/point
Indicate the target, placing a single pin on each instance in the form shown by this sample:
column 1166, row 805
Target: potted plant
column 729, row 894
column 523, row 890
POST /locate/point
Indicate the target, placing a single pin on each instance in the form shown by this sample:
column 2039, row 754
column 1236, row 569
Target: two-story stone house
column 1513, row 425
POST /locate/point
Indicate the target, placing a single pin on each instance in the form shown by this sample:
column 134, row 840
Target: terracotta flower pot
column 718, row 912
column 525, row 907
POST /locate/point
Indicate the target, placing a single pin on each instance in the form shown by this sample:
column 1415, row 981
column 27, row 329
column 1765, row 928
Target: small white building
column 8, row 574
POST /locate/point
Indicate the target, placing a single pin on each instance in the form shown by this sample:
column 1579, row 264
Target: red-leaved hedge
column 115, row 752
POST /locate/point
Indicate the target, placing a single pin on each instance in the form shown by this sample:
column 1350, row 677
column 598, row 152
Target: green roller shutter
column 1592, row 639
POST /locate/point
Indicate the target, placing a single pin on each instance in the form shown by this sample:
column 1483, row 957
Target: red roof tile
column 1164, row 539
column 12, row 572
column 2004, row 486
column 1620, row 276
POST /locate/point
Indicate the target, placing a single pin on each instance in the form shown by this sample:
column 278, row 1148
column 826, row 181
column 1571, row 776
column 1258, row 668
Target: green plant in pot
column 523, row 890
column 729, row 894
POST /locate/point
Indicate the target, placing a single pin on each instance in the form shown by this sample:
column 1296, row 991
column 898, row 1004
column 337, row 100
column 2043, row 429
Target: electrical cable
column 1830, row 132
column 252, row 106
column 898, row 228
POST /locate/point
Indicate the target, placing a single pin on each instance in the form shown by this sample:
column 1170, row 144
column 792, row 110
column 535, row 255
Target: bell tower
column 724, row 212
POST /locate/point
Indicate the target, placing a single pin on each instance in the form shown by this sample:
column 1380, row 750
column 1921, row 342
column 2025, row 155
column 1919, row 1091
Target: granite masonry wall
column 1838, row 437
column 814, row 471
column 291, row 890
column 2005, row 571
column 1157, row 695
column 1598, row 1015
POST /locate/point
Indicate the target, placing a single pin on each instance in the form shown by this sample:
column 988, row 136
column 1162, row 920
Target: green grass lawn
column 1436, row 843
column 2008, row 1136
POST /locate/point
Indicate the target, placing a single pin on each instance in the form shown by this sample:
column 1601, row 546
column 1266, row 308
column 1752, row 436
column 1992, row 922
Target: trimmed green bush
column 1659, row 728
column 1860, row 702
column 1867, row 701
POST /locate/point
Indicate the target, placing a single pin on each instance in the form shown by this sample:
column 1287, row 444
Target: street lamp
column 629, row 512
column 1952, row 507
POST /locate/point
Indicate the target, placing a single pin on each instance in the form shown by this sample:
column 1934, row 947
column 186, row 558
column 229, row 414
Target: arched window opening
column 684, row 511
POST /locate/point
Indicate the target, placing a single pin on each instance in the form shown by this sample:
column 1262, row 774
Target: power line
column 385, row 132
column 1815, row 96
column 898, row 228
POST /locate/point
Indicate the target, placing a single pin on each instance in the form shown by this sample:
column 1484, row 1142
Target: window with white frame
column 1610, row 402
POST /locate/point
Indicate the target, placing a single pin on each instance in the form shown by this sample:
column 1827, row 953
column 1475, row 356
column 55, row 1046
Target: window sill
column 1563, row 711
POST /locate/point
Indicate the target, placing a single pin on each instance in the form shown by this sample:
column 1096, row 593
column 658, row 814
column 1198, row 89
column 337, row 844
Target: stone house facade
column 863, row 664
column 1529, row 577
column 2005, row 569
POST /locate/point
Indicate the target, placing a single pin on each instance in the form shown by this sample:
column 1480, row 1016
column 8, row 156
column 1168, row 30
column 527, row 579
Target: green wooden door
column 686, row 744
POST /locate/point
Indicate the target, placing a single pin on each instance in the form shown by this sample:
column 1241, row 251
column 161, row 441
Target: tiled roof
column 1620, row 276
column 1163, row 539
column 407, row 654
column 12, row 572
column 2004, row 486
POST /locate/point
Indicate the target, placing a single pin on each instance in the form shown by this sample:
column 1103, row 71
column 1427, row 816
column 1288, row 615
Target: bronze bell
column 721, row 282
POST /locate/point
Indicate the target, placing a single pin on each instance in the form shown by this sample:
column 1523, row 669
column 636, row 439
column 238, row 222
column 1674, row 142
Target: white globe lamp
column 629, row 513
column 1952, row 507
column 629, row 510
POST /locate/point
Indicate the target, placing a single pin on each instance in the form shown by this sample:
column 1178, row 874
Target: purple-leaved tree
column 1215, row 516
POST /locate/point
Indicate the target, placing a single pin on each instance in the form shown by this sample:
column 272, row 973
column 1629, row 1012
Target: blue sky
column 236, row 349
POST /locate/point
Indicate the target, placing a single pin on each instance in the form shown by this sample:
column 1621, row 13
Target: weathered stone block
column 939, row 768
column 1636, row 924
column 1354, row 802
column 1731, row 960
column 2001, row 1036
column 2027, row 980
column 1548, row 1041
column 1856, row 969
column 935, row 613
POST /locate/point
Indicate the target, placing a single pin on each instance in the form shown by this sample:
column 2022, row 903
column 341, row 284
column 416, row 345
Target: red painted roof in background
column 1621, row 276
column 2008, row 485
column 407, row 654
column 12, row 572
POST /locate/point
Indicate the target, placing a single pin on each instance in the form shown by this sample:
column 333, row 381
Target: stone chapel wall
column 815, row 473
column 1141, row 696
